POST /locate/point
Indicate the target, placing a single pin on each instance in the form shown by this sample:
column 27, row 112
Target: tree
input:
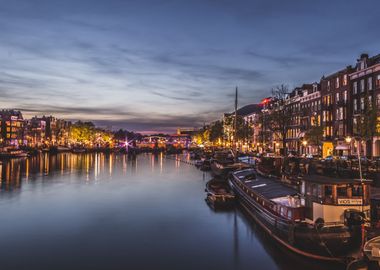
column 216, row 131
column 279, row 117
column 243, row 130
column 368, row 123
column 314, row 134
column 82, row 132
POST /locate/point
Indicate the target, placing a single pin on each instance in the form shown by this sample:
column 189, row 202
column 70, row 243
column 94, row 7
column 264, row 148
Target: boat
column 13, row 153
column 219, row 194
column 222, row 168
column 322, row 221
column 78, row 150
column 206, row 165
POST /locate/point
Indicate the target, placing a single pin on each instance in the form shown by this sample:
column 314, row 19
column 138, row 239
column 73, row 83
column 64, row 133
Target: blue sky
column 158, row 65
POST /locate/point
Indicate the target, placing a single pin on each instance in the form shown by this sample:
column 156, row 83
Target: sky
column 158, row 65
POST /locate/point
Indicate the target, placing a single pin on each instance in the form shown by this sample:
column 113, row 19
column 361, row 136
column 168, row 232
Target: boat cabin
column 272, row 195
column 329, row 199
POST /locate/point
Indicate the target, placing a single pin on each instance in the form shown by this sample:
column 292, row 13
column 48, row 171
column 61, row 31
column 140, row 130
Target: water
column 97, row 211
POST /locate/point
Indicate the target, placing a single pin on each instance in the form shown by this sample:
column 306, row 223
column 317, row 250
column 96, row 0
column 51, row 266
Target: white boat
column 13, row 153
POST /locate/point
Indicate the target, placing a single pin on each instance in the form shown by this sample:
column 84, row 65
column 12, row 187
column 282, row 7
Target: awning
column 342, row 147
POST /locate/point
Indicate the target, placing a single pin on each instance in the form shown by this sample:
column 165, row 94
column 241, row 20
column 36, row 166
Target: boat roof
column 265, row 187
column 322, row 179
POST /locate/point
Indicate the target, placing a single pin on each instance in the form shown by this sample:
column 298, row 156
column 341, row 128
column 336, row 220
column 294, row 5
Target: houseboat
column 223, row 168
column 323, row 220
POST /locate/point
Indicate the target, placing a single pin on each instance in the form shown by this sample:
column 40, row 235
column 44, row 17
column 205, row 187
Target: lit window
column 362, row 85
column 345, row 79
column 370, row 83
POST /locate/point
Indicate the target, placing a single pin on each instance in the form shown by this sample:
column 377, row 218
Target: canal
column 98, row 211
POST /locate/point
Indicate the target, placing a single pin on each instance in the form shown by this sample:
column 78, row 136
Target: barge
column 321, row 220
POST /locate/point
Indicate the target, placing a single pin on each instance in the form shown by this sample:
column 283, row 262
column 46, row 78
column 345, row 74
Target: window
column 378, row 101
column 328, row 85
column 362, row 103
column 328, row 191
column 369, row 83
column 378, row 81
column 342, row 191
column 337, row 97
column 337, row 82
column 355, row 104
column 355, row 87
column 345, row 79
column 362, row 85
column 355, row 125
column 357, row 191
column 340, row 113
column 345, row 95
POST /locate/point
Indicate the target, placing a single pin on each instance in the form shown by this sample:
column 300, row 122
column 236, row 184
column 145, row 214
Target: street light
column 304, row 143
column 348, row 140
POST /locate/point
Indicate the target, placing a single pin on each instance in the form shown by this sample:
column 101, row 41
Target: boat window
column 289, row 214
column 315, row 191
column 319, row 187
column 308, row 189
column 357, row 191
column 328, row 191
column 342, row 191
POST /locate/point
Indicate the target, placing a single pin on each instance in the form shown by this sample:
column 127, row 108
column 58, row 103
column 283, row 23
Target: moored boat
column 223, row 163
column 13, row 153
column 78, row 150
column 323, row 221
column 219, row 194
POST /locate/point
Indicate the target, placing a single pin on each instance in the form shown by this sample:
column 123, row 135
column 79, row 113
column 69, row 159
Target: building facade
column 365, row 92
column 12, row 128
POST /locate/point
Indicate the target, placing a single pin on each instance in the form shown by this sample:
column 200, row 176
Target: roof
column 248, row 109
column 265, row 187
column 321, row 179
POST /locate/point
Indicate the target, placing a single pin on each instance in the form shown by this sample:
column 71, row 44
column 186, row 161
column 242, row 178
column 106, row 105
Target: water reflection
column 16, row 172
column 99, row 211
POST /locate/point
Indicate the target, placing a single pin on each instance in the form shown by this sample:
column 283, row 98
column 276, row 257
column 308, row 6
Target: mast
column 235, row 120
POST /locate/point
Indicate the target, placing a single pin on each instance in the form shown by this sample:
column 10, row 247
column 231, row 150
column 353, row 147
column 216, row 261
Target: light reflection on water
column 98, row 211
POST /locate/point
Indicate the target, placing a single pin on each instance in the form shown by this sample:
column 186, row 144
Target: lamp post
column 304, row 143
column 348, row 140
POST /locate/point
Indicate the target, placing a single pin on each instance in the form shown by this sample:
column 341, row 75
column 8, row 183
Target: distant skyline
column 158, row 65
